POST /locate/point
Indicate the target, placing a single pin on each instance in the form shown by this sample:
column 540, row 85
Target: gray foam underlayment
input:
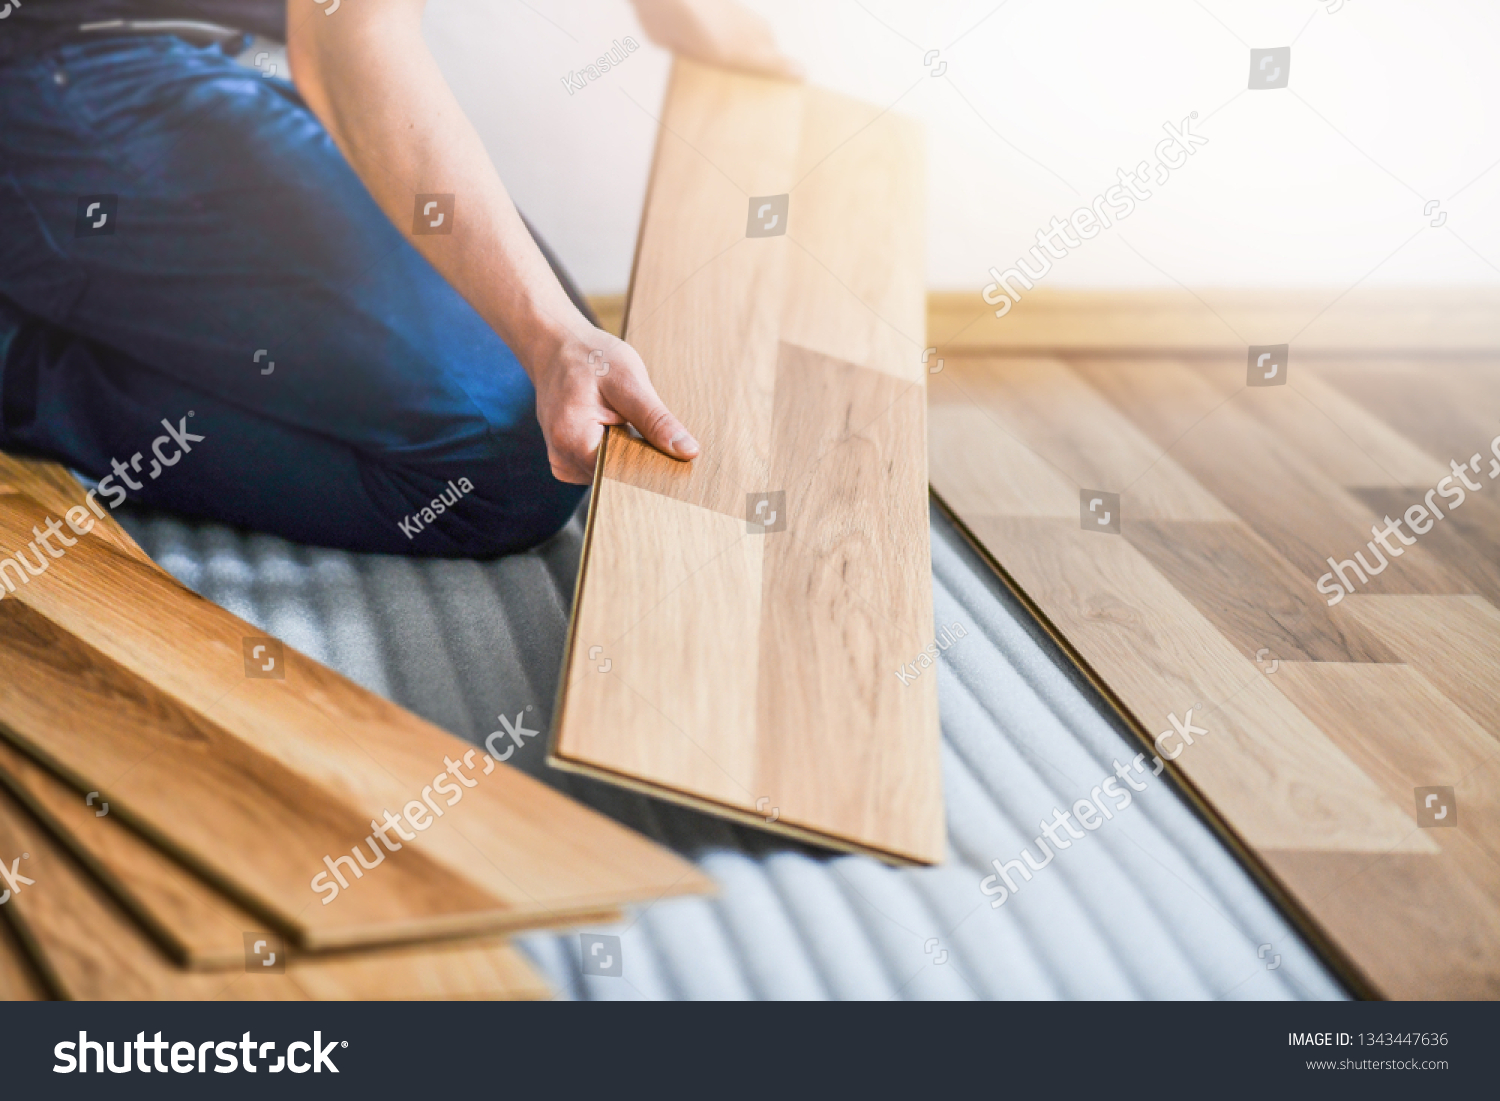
column 1149, row 905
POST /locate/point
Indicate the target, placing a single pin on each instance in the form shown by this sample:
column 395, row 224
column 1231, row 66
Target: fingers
column 631, row 394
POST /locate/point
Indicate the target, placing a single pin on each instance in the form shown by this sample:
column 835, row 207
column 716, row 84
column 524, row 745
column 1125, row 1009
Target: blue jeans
column 251, row 284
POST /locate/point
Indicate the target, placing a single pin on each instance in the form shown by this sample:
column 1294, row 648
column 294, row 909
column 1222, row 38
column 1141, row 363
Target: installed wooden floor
column 1324, row 721
column 755, row 675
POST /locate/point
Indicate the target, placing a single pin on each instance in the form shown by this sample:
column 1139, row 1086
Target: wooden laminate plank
column 87, row 943
column 1344, row 440
column 1454, row 641
column 123, row 682
column 857, row 167
column 1070, row 430
column 196, row 926
column 1355, row 706
column 840, row 610
column 1260, row 475
column 1385, row 910
column 1249, row 592
column 1160, row 656
column 1465, row 539
column 19, row 981
column 1449, row 409
column 755, row 673
column 723, row 140
column 56, row 490
column 1405, row 735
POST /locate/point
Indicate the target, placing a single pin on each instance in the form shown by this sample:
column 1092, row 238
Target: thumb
column 635, row 399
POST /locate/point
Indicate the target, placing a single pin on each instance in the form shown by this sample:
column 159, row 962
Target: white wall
column 1060, row 93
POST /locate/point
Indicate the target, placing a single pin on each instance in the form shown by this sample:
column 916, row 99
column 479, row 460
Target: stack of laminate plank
column 163, row 812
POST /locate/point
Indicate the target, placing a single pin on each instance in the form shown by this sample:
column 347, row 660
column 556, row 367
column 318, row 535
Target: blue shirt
column 32, row 25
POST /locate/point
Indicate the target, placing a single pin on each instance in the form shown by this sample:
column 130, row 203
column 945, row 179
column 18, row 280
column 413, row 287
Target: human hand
column 716, row 32
column 588, row 381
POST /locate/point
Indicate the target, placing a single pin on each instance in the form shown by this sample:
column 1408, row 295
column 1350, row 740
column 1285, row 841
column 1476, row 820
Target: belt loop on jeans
column 189, row 30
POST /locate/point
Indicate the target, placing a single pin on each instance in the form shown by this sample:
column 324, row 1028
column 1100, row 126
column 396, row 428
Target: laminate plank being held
column 750, row 629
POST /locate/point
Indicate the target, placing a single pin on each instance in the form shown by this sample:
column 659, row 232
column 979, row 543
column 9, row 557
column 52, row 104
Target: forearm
column 366, row 73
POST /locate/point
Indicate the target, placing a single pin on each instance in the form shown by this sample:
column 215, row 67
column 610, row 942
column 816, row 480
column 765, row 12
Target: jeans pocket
column 34, row 273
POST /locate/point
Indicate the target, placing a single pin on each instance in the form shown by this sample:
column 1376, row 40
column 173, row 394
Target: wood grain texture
column 1454, row 641
column 123, row 682
column 1071, row 431
column 194, row 925
column 51, row 486
column 1162, row 657
column 19, row 981
column 755, row 674
column 1250, row 593
column 1262, row 476
column 1405, row 734
column 91, row 949
column 1380, row 910
column 1323, row 719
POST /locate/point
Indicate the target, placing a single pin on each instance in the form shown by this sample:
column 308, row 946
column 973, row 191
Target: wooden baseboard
column 1383, row 321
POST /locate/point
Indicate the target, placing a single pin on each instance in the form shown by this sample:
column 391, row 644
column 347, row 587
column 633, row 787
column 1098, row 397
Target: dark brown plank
column 1250, row 593
column 1466, row 539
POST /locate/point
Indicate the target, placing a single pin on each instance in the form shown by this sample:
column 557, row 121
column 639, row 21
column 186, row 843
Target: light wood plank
column 1369, row 699
column 1262, row 477
column 1454, row 641
column 755, row 675
column 195, row 925
column 1448, row 407
column 1069, row 428
column 93, row 951
column 1161, row 657
column 1466, row 540
column 1415, row 926
column 1405, row 734
column 723, row 140
column 840, row 303
column 253, row 781
column 654, row 671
